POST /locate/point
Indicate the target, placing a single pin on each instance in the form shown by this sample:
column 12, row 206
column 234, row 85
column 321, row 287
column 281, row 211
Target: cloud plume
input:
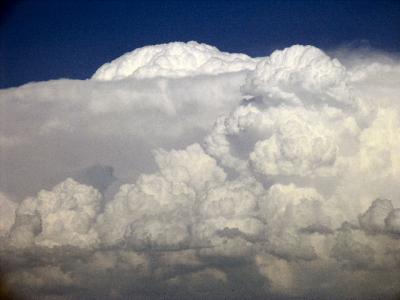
column 179, row 170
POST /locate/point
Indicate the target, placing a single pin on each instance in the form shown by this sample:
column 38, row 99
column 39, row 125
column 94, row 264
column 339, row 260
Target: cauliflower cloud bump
column 231, row 176
column 299, row 70
column 173, row 60
column 65, row 216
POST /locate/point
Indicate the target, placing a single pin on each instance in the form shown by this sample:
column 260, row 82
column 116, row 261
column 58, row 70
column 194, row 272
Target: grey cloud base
column 201, row 174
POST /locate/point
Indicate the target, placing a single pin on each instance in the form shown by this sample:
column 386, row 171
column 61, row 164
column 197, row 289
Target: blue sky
column 42, row 40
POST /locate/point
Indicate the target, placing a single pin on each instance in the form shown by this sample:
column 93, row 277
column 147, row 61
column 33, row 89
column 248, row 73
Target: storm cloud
column 179, row 170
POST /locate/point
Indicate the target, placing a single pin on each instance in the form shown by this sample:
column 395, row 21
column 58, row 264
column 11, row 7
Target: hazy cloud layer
column 178, row 170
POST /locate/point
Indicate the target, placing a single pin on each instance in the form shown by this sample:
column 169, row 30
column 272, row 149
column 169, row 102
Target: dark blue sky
column 43, row 40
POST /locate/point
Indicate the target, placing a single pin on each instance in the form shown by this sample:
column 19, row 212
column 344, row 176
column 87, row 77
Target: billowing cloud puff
column 234, row 198
column 174, row 60
column 370, row 245
column 229, row 221
column 192, row 167
column 284, row 140
column 62, row 216
column 374, row 218
column 291, row 213
column 204, row 174
column 380, row 217
column 158, row 210
column 300, row 145
column 299, row 74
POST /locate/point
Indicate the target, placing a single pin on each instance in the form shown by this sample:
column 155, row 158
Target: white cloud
column 64, row 216
column 53, row 129
column 259, row 174
column 174, row 60
column 299, row 74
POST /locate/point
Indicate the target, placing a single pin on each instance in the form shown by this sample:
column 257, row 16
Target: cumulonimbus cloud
column 219, row 175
